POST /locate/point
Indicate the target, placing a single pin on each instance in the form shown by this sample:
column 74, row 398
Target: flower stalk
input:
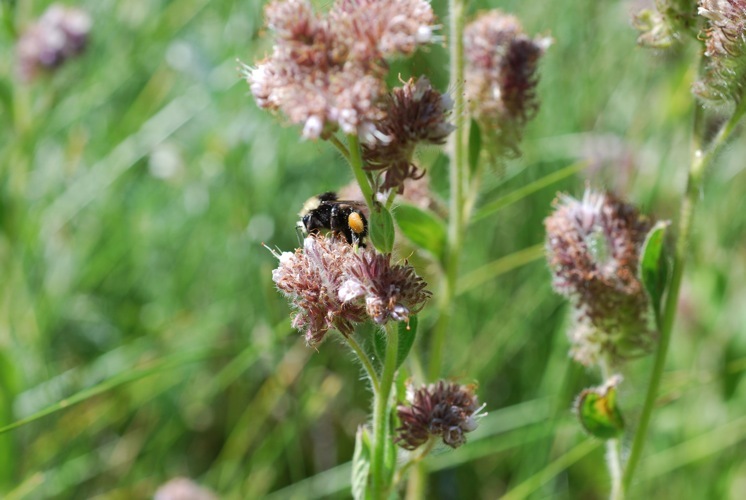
column 380, row 478
column 702, row 157
column 356, row 162
column 458, row 178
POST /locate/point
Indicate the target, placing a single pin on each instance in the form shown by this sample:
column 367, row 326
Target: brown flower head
column 326, row 72
column 725, row 37
column 59, row 34
column 388, row 291
column 311, row 278
column 593, row 247
column 443, row 409
column 415, row 113
column 501, row 63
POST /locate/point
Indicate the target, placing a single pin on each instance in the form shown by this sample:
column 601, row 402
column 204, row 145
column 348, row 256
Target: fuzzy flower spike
column 725, row 38
column 326, row 71
column 501, row 64
column 593, row 248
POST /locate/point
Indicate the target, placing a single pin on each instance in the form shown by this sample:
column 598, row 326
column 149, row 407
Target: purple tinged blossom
column 332, row 285
column 415, row 113
column 326, row 71
column 58, row 35
column 444, row 409
column 500, row 78
column 593, row 248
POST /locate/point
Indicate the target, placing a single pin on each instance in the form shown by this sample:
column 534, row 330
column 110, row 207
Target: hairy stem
column 365, row 361
column 613, row 447
column 381, row 438
column 340, row 146
column 701, row 159
column 356, row 162
column 458, row 182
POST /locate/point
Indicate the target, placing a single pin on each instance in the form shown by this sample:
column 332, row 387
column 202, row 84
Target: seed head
column 593, row 248
column 414, row 113
column 501, row 63
column 443, row 409
column 58, row 35
column 725, row 37
column 326, row 71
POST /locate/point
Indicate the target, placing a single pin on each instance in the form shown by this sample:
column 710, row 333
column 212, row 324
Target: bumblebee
column 326, row 212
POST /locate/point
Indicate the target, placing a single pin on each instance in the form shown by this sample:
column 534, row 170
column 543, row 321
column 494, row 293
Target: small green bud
column 598, row 412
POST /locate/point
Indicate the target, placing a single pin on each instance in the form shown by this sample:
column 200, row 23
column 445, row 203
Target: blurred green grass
column 133, row 212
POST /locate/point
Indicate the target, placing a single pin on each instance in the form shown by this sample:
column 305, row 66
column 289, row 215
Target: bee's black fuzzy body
column 327, row 212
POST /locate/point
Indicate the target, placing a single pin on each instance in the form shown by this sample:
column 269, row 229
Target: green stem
column 369, row 370
column 613, row 448
column 701, row 159
column 356, row 162
column 415, row 489
column 340, row 146
column 459, row 180
column 381, row 439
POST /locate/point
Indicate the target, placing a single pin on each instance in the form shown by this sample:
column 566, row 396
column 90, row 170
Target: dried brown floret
column 415, row 113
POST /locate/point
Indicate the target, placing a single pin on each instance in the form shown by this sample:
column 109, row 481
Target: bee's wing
column 352, row 203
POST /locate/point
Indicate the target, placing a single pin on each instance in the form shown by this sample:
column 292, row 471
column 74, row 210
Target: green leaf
column 653, row 265
column 423, row 228
column 598, row 412
column 475, row 145
column 361, row 464
column 381, row 227
column 379, row 344
column 441, row 163
column 407, row 334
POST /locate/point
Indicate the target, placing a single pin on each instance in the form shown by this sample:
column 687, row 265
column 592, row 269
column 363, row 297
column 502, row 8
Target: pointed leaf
column 653, row 264
column 598, row 412
column 441, row 162
column 475, row 145
column 407, row 334
column 423, row 228
column 360, row 464
column 381, row 227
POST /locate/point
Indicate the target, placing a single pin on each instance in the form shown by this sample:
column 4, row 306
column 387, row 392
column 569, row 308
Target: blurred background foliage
column 139, row 181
